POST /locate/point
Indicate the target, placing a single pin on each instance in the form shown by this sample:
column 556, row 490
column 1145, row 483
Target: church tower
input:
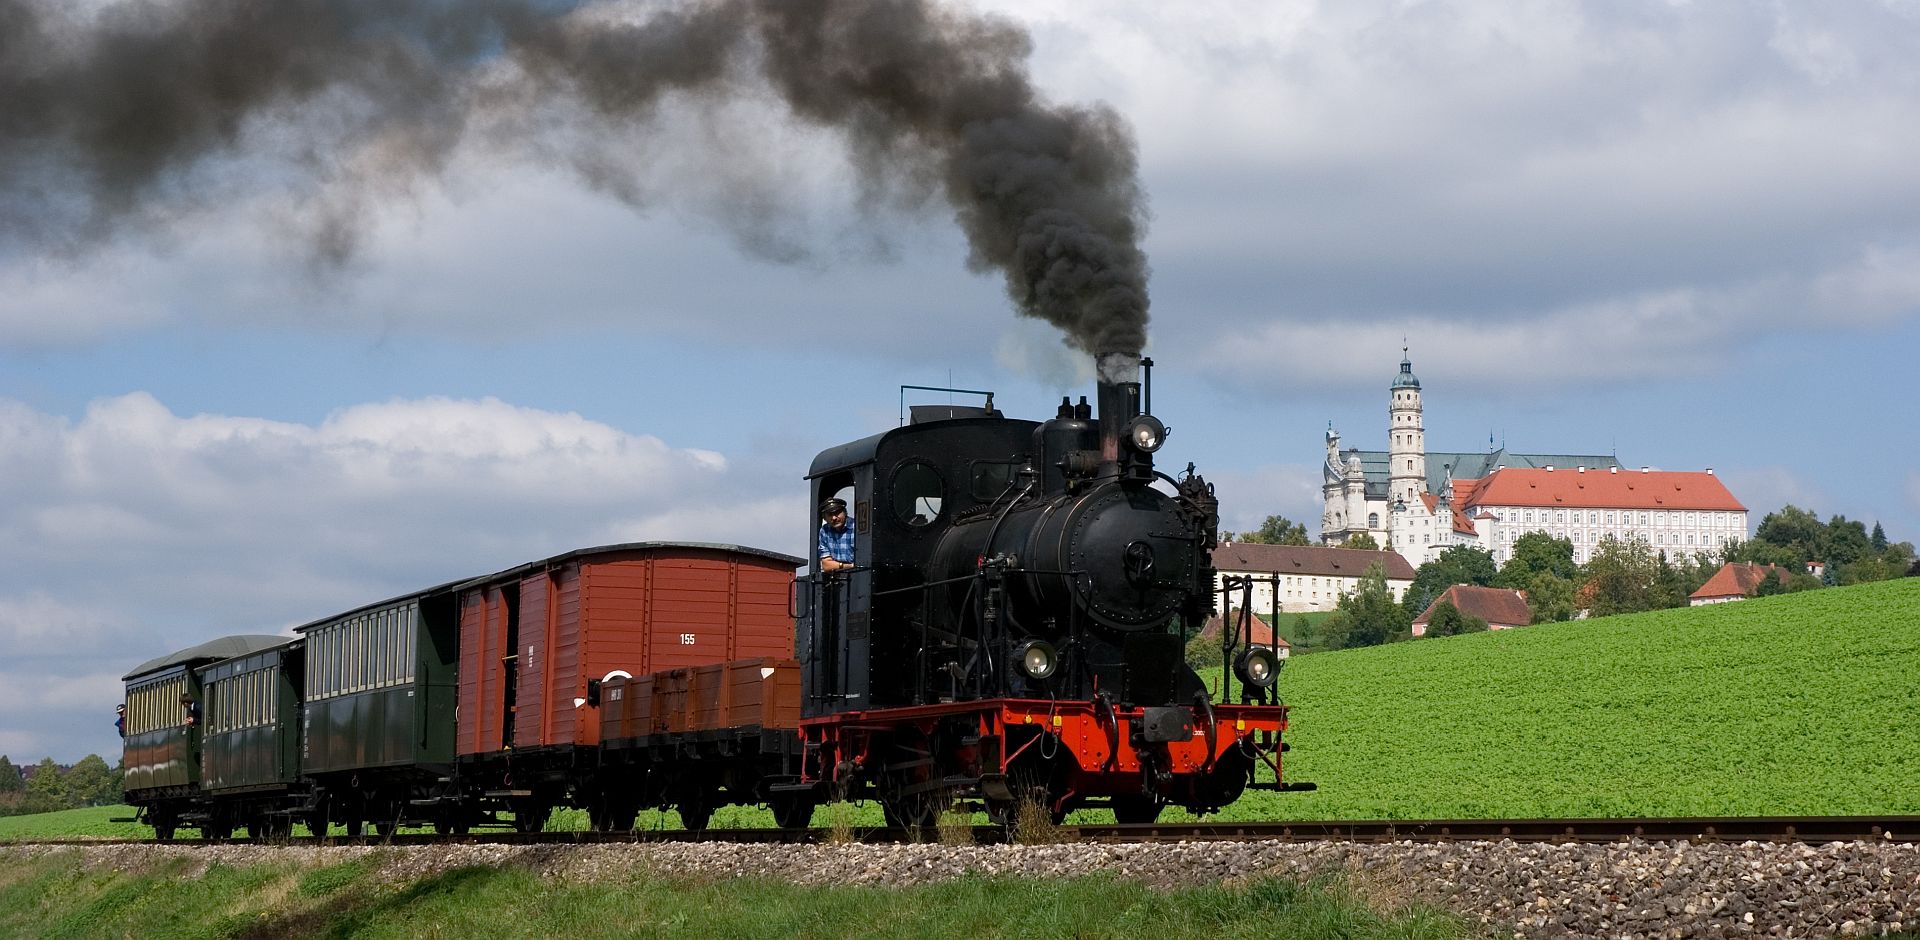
column 1406, row 438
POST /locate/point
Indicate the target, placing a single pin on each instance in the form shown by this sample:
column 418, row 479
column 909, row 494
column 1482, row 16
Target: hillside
column 1799, row 704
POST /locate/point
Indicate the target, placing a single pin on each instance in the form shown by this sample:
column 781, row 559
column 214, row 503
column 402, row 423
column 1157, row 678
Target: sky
column 1684, row 233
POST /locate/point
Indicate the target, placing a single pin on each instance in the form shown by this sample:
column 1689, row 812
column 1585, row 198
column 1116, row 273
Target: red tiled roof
column 1323, row 560
column 1497, row 606
column 1461, row 522
column 1594, row 489
column 1736, row 579
column 1263, row 632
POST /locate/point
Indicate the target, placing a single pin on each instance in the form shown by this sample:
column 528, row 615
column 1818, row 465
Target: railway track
column 1810, row 829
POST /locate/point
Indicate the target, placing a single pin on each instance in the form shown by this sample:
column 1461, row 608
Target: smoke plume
column 119, row 117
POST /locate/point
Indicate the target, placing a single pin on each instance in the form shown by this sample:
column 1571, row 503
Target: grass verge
column 54, row 896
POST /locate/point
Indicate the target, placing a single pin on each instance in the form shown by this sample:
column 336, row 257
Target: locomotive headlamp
column 1036, row 658
column 1146, row 433
column 1257, row 666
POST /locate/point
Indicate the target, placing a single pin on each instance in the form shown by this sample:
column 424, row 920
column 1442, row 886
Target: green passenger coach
column 249, row 751
column 165, row 730
column 378, row 726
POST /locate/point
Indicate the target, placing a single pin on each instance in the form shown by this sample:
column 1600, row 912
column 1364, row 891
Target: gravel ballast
column 1533, row 890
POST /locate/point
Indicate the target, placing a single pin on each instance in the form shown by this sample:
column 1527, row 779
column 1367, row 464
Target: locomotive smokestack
column 1119, row 399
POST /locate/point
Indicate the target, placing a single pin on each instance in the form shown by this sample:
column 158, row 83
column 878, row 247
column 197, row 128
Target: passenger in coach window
column 191, row 707
column 836, row 536
column 120, row 719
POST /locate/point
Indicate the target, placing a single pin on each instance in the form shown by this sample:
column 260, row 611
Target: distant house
column 1735, row 581
column 1306, row 577
column 1264, row 633
column 1501, row 608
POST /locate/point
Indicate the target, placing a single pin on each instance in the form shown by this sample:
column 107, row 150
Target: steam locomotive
column 1011, row 634
column 1016, row 622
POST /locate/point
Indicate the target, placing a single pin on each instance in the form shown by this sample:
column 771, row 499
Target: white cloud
column 1248, row 497
column 133, row 531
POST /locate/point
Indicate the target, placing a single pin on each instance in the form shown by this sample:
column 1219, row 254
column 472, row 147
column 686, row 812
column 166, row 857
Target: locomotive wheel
column 905, row 799
column 1136, row 810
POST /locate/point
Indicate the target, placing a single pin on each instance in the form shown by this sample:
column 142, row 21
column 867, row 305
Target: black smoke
column 121, row 117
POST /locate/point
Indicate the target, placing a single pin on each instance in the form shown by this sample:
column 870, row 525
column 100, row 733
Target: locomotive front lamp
column 1257, row 666
column 1147, row 433
column 1036, row 658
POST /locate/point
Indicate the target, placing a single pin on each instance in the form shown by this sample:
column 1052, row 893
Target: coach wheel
column 317, row 821
column 354, row 826
column 530, row 815
column 163, row 826
column 452, row 823
column 793, row 810
column 1136, row 810
column 695, row 812
column 614, row 814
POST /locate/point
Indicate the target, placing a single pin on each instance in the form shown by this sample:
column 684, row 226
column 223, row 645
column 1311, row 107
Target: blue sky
column 1687, row 234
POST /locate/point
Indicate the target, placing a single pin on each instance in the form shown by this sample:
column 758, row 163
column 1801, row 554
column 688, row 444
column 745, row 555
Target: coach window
column 917, row 492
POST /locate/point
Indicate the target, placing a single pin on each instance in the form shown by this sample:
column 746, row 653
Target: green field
column 94, row 821
column 1798, row 704
column 56, row 896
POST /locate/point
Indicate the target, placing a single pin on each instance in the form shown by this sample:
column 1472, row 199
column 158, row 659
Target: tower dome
column 1406, row 377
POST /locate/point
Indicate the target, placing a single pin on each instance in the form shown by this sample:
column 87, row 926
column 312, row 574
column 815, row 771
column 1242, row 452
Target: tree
column 1879, row 537
column 1794, row 528
column 1459, row 564
column 1846, row 542
column 1448, row 620
column 1534, row 554
column 1367, row 615
column 90, row 783
column 10, row 781
column 1277, row 530
column 44, row 793
column 1550, row 598
column 1622, row 577
column 1363, row 540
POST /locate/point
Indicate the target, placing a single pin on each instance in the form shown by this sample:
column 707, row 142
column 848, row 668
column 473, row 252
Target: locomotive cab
column 866, row 637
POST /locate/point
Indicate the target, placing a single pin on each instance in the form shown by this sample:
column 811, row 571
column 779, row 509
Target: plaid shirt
column 836, row 545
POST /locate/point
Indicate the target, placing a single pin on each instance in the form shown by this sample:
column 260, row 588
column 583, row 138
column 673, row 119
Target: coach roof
column 226, row 647
column 548, row 562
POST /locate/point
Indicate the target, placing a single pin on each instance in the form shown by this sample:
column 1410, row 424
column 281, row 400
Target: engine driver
column 836, row 536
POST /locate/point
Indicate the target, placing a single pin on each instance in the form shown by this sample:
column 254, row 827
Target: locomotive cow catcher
column 1010, row 631
column 1015, row 622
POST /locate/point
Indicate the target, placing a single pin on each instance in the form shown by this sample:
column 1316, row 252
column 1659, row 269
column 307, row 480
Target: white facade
column 1393, row 497
column 1676, row 532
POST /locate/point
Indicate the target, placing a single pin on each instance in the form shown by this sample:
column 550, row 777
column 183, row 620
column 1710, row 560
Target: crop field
column 1798, row 704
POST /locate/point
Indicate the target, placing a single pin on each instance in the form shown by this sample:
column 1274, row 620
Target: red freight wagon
column 699, row 737
column 531, row 638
